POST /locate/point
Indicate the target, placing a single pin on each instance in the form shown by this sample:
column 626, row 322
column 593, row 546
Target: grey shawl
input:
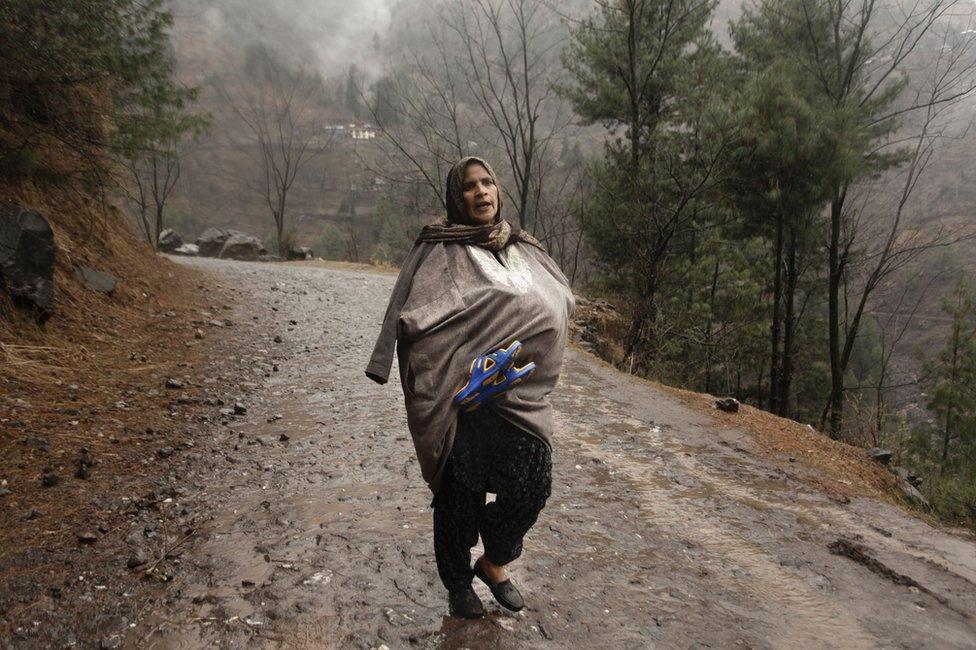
column 455, row 301
column 462, row 301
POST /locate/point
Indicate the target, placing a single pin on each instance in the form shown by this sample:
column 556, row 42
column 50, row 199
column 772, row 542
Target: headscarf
column 457, row 208
column 458, row 226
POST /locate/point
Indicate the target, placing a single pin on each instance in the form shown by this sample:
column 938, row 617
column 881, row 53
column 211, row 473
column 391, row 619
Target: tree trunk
column 953, row 378
column 686, row 369
column 632, row 84
column 775, row 328
column 159, row 224
column 280, row 225
column 634, row 332
column 879, row 404
column 645, row 312
column 789, row 335
column 836, row 403
column 708, row 329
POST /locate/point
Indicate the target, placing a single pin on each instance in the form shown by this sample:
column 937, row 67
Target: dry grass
column 61, row 382
column 841, row 469
column 86, row 324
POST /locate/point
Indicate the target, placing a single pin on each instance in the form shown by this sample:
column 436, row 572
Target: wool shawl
column 456, row 299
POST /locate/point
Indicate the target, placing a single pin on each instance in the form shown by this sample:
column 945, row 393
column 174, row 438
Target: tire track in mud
column 656, row 535
column 687, row 493
column 797, row 614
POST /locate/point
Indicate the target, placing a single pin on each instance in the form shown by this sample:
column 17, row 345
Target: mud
column 312, row 529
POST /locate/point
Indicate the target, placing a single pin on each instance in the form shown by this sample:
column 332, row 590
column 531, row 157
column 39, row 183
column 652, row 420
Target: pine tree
column 785, row 156
column 626, row 63
column 354, row 101
column 98, row 75
column 952, row 380
column 651, row 69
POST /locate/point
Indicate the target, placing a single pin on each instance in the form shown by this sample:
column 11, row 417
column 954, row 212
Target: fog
column 329, row 34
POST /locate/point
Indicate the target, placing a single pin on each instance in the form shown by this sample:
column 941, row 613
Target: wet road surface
column 661, row 530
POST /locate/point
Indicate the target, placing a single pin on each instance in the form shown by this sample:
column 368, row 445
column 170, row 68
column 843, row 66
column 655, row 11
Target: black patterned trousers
column 489, row 455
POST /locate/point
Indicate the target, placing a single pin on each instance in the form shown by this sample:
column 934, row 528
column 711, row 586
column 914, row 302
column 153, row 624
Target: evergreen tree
column 831, row 44
column 651, row 69
column 98, row 75
column 384, row 100
column 626, row 62
column 330, row 245
column 952, row 380
column 783, row 164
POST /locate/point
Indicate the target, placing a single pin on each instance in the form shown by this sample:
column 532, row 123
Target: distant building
column 360, row 131
column 356, row 131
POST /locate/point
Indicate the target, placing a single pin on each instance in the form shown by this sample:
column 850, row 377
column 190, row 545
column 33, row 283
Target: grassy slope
column 61, row 383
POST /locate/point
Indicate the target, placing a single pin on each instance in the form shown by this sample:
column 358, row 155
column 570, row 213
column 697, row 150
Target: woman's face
column 480, row 194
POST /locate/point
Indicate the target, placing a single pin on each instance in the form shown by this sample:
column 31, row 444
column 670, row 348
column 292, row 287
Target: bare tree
column 559, row 221
column 277, row 106
column 152, row 178
column 863, row 66
column 484, row 85
column 433, row 126
column 507, row 53
column 896, row 323
column 868, row 245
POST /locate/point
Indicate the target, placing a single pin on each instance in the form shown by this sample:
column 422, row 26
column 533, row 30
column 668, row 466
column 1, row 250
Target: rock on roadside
column 727, row 404
column 217, row 242
column 211, row 241
column 300, row 253
column 908, row 485
column 241, row 247
column 188, row 250
column 97, row 280
column 27, row 256
column 169, row 241
column 883, row 456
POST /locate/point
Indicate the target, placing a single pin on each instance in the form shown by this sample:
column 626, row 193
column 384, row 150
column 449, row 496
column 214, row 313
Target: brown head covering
column 457, row 209
column 458, row 226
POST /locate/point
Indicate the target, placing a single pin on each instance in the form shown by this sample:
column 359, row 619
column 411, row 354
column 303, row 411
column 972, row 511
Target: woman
column 472, row 284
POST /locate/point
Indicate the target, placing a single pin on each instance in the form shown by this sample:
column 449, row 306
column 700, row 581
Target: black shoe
column 465, row 603
column 504, row 592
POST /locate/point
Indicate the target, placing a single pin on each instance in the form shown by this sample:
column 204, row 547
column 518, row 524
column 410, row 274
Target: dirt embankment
column 85, row 415
column 838, row 468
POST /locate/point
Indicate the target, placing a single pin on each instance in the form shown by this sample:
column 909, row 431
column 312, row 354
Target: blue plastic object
column 491, row 374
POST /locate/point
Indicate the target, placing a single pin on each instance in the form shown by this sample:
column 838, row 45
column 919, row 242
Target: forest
column 777, row 199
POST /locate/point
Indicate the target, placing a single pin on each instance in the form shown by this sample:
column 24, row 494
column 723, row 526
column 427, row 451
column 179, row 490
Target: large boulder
column 211, row 241
column 300, row 253
column 908, row 477
column 187, row 249
column 241, row 247
column 910, row 486
column 727, row 404
column 169, row 241
column 27, row 259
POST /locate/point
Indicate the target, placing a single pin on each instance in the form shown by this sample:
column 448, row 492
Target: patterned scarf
column 459, row 229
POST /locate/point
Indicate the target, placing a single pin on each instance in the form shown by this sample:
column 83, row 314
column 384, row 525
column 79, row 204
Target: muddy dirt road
column 314, row 526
